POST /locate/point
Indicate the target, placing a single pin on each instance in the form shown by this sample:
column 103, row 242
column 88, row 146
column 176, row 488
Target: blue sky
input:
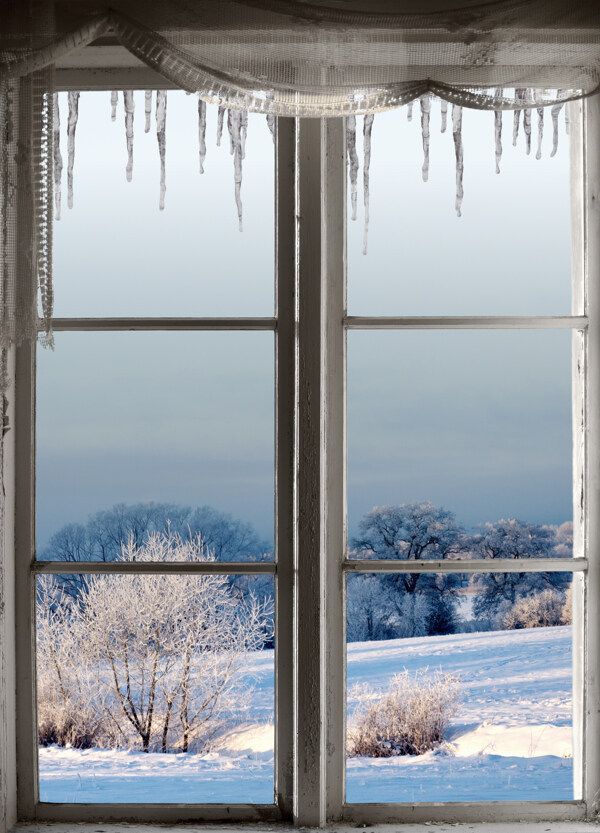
column 476, row 421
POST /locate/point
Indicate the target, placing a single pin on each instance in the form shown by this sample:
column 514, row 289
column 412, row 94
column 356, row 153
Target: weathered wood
column 310, row 587
column 8, row 754
column 155, row 567
column 466, row 565
column 450, row 322
column 285, row 468
column 159, row 324
column 591, row 223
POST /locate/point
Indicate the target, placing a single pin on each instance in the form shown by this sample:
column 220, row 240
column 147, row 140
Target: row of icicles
column 237, row 127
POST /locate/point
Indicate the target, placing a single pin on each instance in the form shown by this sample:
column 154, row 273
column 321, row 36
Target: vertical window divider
column 285, row 398
column 24, row 439
column 578, row 371
column 319, row 602
column 586, row 248
column 309, row 611
column 334, row 263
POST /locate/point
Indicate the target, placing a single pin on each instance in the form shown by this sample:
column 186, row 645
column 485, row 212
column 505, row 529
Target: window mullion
column 309, row 807
column 27, row 771
column 285, row 376
column 320, row 497
column 334, row 430
column 588, row 246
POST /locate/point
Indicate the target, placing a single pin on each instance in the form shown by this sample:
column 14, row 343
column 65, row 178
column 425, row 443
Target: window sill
column 442, row 827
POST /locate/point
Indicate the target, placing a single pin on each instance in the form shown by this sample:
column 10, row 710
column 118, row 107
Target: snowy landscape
column 510, row 739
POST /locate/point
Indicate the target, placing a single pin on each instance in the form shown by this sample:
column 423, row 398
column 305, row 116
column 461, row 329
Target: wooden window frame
column 310, row 327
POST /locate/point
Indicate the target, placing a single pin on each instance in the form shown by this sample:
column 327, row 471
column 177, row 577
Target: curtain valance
column 291, row 58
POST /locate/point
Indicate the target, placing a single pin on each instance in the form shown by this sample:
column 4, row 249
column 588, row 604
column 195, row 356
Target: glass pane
column 459, row 687
column 138, row 432
column 459, row 444
column 117, row 254
column 424, row 260
column 155, row 689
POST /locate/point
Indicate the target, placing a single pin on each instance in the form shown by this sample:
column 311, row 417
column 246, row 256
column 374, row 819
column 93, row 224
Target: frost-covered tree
column 496, row 593
column 105, row 533
column 415, row 532
column 70, row 707
column 376, row 610
column 164, row 650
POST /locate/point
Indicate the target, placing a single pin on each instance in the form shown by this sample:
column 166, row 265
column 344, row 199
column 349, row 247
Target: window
column 312, row 564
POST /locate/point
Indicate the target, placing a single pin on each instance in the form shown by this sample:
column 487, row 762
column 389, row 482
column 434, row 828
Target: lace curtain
column 278, row 57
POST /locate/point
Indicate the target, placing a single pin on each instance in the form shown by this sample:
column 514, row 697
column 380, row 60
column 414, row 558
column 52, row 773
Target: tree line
column 379, row 606
column 387, row 606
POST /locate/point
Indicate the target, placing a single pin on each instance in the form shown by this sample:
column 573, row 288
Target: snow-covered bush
column 410, row 718
column 540, row 610
column 566, row 617
column 155, row 656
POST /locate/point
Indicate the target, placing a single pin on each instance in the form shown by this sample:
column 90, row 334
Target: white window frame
column 310, row 328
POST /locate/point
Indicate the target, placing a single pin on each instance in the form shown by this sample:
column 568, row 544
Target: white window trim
column 310, row 515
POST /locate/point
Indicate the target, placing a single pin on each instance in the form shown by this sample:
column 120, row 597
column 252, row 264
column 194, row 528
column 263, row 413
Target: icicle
column 58, row 162
column 555, row 112
column 352, row 161
column 567, row 126
column 147, row 109
column 271, row 124
column 425, row 115
column 201, row 133
column 161, row 123
column 516, row 120
column 498, row 136
column 114, row 100
column 234, row 126
column 458, row 150
column 367, row 129
column 220, row 114
column 129, row 105
column 71, row 128
column 244, row 131
column 527, row 129
column 520, row 96
column 230, row 133
column 409, row 109
column 540, row 113
column 444, row 110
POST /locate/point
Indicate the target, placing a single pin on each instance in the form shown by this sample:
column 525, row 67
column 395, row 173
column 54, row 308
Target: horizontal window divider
column 472, row 322
column 156, row 813
column 111, row 324
column 155, row 567
column 457, row 812
column 480, row 565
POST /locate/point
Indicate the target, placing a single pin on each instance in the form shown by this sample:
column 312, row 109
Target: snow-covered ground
column 510, row 741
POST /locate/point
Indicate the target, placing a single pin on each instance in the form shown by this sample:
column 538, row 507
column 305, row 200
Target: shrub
column 566, row 617
column 410, row 718
column 541, row 610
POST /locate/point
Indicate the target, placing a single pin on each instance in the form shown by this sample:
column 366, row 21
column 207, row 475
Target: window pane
column 424, row 260
column 116, row 254
column 459, row 444
column 459, row 688
column 142, row 431
column 155, row 689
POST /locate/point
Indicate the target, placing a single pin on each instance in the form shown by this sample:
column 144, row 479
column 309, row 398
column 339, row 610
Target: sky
column 477, row 422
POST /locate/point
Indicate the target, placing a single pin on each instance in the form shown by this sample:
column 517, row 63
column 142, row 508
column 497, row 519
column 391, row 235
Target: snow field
column 510, row 740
